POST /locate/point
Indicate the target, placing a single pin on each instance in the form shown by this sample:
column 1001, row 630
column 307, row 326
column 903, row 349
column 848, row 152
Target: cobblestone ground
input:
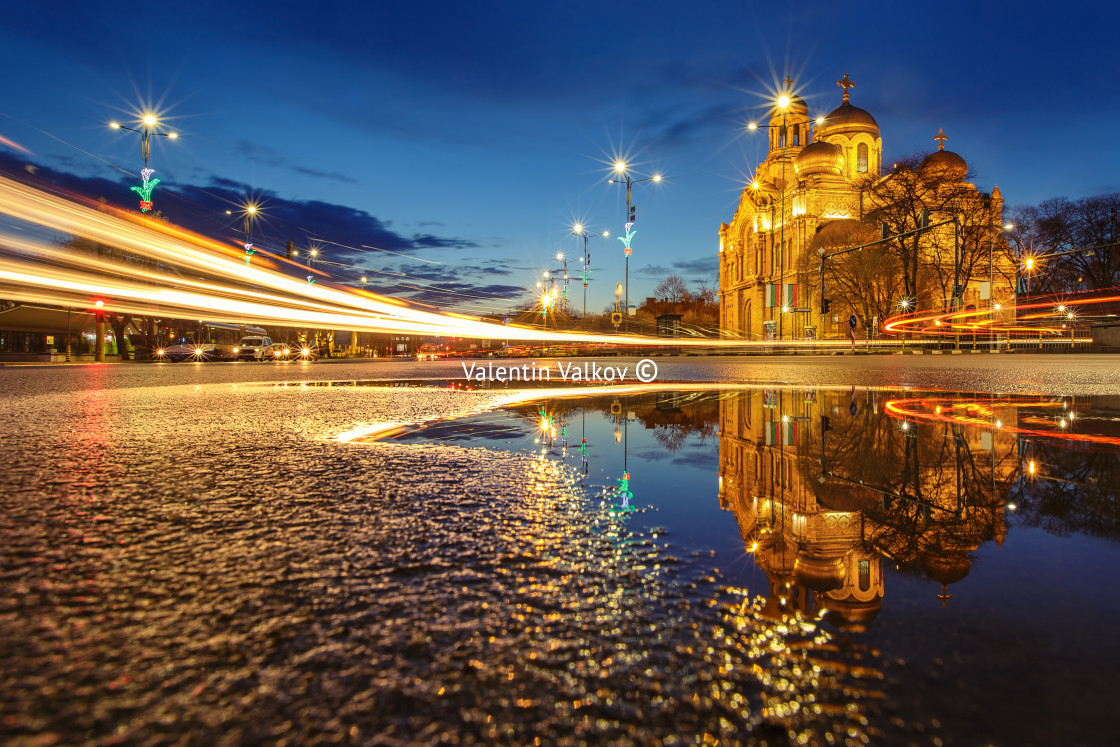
column 187, row 557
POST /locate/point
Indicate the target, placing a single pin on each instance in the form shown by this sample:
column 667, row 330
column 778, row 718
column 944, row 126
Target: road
column 189, row 553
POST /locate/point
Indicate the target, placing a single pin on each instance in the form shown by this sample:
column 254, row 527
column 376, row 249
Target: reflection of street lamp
column 620, row 168
column 146, row 133
column 579, row 230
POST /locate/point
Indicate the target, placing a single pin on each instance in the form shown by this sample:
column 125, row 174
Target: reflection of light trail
column 981, row 413
column 222, row 288
column 521, row 396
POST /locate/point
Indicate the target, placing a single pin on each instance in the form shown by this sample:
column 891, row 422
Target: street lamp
column 578, row 230
column 621, row 168
column 248, row 215
column 146, row 133
column 991, row 280
column 783, row 103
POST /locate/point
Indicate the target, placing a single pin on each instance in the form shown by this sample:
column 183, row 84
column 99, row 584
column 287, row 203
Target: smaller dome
column 765, row 187
column 946, row 567
column 819, row 157
column 819, row 573
column 851, row 615
column 943, row 164
column 849, row 119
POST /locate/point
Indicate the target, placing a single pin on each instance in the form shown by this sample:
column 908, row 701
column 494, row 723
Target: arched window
column 861, row 158
column 796, row 135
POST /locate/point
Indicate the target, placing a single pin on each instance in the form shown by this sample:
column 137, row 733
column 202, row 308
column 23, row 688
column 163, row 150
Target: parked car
column 195, row 351
column 254, row 348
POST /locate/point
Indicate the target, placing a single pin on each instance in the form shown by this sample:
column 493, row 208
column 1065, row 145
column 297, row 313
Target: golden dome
column 943, row 164
column 846, row 119
column 819, row 157
column 819, row 573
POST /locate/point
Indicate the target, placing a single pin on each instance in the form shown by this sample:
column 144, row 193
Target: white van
column 254, row 349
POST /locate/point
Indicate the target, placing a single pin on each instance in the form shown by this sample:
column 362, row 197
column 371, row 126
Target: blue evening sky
column 467, row 137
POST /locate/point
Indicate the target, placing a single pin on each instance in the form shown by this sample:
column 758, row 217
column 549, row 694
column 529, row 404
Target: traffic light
column 826, row 423
column 884, row 231
column 826, row 305
column 289, row 250
column 633, row 213
column 923, row 219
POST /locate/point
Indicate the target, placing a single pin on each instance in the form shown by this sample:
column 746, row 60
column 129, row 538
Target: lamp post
column 991, row 281
column 248, row 215
column 783, row 135
column 564, row 302
column 148, row 122
column 621, row 169
column 578, row 230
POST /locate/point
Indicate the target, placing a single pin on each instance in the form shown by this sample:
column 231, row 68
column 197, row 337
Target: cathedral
column 820, row 190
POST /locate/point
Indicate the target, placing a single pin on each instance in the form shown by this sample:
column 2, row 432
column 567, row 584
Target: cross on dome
column 940, row 137
column 845, row 83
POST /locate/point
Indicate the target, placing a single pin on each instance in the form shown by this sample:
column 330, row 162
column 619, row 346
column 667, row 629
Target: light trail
column 983, row 321
column 216, row 283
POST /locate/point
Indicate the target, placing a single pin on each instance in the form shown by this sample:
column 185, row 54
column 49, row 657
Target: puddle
column 951, row 542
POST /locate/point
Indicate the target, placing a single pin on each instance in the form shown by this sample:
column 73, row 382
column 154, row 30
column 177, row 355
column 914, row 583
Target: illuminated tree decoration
column 627, row 238
column 585, row 276
column 311, row 280
column 145, row 190
column 249, row 252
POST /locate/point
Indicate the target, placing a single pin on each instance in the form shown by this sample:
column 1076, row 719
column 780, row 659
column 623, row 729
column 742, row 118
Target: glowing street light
column 782, row 103
column 146, row 133
column 622, row 169
column 579, row 230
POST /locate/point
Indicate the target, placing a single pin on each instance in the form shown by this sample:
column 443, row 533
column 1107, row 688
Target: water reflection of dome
column 946, row 566
column 850, row 614
column 818, row 572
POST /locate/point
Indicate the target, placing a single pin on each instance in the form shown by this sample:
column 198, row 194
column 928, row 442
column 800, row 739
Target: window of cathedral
column 781, row 137
column 796, row 136
column 861, row 158
column 864, row 575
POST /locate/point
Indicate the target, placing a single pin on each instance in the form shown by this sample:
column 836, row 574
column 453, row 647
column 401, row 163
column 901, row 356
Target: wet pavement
column 192, row 555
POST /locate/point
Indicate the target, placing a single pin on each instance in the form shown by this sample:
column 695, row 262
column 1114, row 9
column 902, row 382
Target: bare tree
column 672, row 289
column 917, row 184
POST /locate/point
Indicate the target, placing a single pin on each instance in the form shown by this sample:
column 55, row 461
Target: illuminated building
column 815, row 193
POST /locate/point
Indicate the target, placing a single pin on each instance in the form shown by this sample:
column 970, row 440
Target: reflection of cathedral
column 811, row 195
column 822, row 502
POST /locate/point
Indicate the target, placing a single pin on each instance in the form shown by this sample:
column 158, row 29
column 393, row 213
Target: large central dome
column 849, row 119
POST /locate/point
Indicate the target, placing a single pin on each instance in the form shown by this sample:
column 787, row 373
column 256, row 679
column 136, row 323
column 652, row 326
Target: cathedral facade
column 815, row 193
